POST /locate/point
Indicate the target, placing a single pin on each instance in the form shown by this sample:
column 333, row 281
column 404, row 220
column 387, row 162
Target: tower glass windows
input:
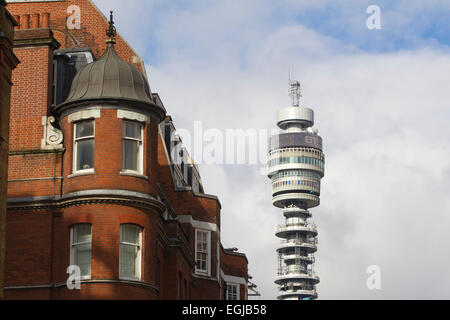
column 81, row 248
column 84, row 146
column 132, row 146
column 130, row 252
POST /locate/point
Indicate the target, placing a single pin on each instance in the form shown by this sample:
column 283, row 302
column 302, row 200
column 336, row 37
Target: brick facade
column 8, row 61
column 46, row 198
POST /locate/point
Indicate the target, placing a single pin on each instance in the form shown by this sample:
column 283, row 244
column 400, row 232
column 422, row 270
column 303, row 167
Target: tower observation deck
column 296, row 166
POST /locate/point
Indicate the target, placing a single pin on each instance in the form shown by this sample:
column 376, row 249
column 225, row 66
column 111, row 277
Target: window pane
column 82, row 233
column 130, row 156
column 128, row 256
column 202, row 250
column 129, row 234
column 85, row 154
column 132, row 130
column 82, row 258
column 84, row 129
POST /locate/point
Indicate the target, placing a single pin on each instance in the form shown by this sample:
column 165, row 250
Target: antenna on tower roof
column 295, row 92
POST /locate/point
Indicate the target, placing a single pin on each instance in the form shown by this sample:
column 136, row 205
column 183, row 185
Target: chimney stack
column 25, row 23
column 35, row 21
column 45, row 17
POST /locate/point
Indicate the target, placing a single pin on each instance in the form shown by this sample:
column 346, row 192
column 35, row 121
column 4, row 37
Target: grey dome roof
column 111, row 81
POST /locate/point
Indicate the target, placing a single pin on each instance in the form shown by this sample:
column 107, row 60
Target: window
column 202, row 251
column 232, row 291
column 81, row 248
column 132, row 146
column 83, row 153
column 130, row 252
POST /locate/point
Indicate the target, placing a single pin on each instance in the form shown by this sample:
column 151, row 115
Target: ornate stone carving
column 53, row 137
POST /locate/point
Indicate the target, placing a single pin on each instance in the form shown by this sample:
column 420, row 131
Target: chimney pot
column 45, row 17
column 35, row 21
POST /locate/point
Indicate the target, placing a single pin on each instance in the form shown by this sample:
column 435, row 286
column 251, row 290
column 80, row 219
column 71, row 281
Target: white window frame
column 206, row 272
column 139, row 256
column 75, row 148
column 72, row 248
column 140, row 170
column 237, row 286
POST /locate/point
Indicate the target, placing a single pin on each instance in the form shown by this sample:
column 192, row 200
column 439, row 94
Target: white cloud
column 384, row 119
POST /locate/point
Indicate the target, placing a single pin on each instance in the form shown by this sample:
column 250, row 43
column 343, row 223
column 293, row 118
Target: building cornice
column 233, row 279
column 35, row 37
column 87, row 197
column 89, row 281
column 198, row 224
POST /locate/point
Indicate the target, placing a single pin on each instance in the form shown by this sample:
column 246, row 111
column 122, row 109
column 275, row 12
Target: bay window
column 132, row 147
column 130, row 252
column 81, row 248
column 203, row 251
column 83, row 151
column 232, row 291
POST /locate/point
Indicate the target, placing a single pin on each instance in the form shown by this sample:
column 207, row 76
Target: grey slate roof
column 111, row 80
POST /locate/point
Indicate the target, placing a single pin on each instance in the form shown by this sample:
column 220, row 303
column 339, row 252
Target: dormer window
column 83, row 151
column 132, row 147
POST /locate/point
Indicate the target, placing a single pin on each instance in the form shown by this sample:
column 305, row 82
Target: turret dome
column 111, row 81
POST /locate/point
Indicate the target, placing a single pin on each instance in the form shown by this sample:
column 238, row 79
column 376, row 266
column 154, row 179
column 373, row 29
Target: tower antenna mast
column 295, row 92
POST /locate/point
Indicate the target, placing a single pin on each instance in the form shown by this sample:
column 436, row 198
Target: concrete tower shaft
column 296, row 167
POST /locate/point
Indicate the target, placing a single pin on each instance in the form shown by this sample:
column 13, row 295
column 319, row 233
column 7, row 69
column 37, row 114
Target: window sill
column 82, row 173
column 133, row 174
column 202, row 273
column 130, row 279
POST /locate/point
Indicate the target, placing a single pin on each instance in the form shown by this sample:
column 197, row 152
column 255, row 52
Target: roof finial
column 111, row 32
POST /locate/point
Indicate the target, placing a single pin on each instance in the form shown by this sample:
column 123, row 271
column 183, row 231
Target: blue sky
column 381, row 103
column 406, row 25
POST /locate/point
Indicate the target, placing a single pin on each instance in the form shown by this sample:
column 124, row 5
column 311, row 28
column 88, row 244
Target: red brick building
column 97, row 179
column 8, row 62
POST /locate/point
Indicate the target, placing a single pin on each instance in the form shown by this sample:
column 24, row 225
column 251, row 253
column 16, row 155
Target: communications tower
column 295, row 167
